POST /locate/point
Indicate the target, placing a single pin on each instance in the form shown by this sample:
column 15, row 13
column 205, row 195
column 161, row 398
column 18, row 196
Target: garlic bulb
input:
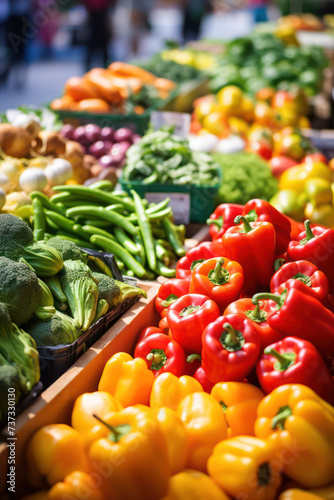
column 58, row 172
column 33, row 179
column 4, row 182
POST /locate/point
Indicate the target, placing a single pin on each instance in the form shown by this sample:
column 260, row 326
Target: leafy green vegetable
column 178, row 73
column 245, row 176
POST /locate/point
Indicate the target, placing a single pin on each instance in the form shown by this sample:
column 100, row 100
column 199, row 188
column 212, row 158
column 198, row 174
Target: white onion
column 33, row 179
column 28, row 123
column 4, row 182
column 58, row 172
column 2, row 198
column 204, row 143
column 232, row 144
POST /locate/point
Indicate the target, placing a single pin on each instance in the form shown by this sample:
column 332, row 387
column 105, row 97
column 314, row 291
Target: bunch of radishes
column 109, row 146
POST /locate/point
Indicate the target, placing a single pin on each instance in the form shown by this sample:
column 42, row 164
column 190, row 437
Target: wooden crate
column 55, row 404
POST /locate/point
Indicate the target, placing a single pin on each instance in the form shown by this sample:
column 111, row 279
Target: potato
column 14, row 141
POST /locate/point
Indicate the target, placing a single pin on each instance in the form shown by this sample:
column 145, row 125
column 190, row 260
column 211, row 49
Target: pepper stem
column 217, row 222
column 231, row 339
column 309, row 233
column 279, row 299
column 154, row 357
column 257, row 314
column 193, row 357
column 219, row 275
column 189, row 310
column 278, row 263
column 169, row 300
column 116, row 432
column 284, row 361
column 279, row 420
column 241, row 218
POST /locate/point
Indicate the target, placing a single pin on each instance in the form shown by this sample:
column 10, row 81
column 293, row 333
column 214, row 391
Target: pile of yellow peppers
column 140, row 437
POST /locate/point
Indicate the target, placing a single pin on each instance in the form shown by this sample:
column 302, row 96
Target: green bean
column 117, row 207
column 39, row 219
column 67, row 225
column 115, row 248
column 125, row 241
column 61, row 197
column 171, row 255
column 103, row 185
column 141, row 257
column 161, row 253
column 51, row 225
column 165, row 271
column 129, row 273
column 150, row 275
column 98, row 223
column 102, row 213
column 164, row 243
column 146, row 231
column 47, row 236
column 46, row 202
column 77, row 203
column 120, row 264
column 81, row 243
column 155, row 216
column 158, row 232
column 173, row 237
column 158, row 206
column 96, row 194
column 91, row 230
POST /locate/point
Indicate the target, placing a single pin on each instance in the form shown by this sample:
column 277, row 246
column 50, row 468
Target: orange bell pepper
column 99, row 402
column 296, row 494
column 192, row 484
column 128, row 379
column 169, row 390
column 238, row 400
column 327, row 492
column 176, row 438
column 76, row 486
column 203, row 419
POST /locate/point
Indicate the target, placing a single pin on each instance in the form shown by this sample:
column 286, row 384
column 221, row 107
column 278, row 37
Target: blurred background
column 44, row 42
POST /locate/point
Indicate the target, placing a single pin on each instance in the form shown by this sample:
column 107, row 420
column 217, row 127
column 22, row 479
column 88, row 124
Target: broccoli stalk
column 46, row 309
column 115, row 292
column 55, row 287
column 81, row 292
column 127, row 291
column 19, row 349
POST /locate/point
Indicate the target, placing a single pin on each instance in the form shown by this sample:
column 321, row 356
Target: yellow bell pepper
column 246, row 467
column 318, row 191
column 128, row 379
column 203, row 418
column 295, row 178
column 320, row 214
column 168, row 390
column 327, row 492
column 132, row 458
column 176, row 438
column 102, row 404
column 300, row 425
column 192, row 484
column 230, row 99
column 76, row 486
column 239, row 402
column 53, row 452
column 296, row 494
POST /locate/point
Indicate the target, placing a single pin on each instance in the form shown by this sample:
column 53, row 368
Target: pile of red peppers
column 255, row 304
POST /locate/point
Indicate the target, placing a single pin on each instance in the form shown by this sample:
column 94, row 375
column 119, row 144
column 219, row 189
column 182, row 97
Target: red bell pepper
column 299, row 314
column 258, row 315
column 163, row 324
column 196, row 255
column 317, row 246
column 220, row 279
column 193, row 362
column 253, row 246
column 264, row 212
column 304, row 271
column 330, row 302
column 295, row 361
column 162, row 354
column 231, row 347
column 201, row 377
column 147, row 332
column 223, row 218
column 188, row 317
column 296, row 228
column 170, row 291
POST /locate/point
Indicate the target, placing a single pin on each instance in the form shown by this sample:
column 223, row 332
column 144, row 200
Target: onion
column 107, row 134
column 58, row 172
column 79, row 135
column 100, row 148
column 93, row 133
column 123, row 134
column 29, row 124
column 33, row 179
column 67, row 131
column 136, row 138
column 74, row 153
column 4, row 182
column 14, row 141
column 122, row 146
column 111, row 160
column 204, row 143
column 12, row 169
column 232, row 144
column 2, row 198
column 51, row 143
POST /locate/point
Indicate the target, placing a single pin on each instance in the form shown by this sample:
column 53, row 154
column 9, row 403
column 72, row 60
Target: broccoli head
column 67, row 249
column 115, row 292
column 14, row 233
column 81, row 292
column 60, row 329
column 19, row 290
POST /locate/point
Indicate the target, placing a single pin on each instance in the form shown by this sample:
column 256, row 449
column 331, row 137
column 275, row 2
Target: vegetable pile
column 162, row 157
column 178, row 73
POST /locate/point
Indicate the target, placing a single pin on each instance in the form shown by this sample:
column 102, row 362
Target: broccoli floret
column 81, row 291
column 19, row 289
column 67, row 249
column 60, row 329
column 14, row 233
column 18, row 348
column 115, row 292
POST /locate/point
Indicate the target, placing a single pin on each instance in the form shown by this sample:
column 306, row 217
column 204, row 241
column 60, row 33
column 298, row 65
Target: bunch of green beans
column 142, row 237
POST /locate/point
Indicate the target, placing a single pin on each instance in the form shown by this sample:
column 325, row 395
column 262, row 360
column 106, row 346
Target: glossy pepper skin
column 133, row 455
column 245, row 465
column 196, row 255
column 304, row 271
column 188, row 317
column 170, row 291
column 295, row 361
column 128, row 379
column 162, row 354
column 258, row 316
column 168, row 390
column 297, row 494
column 231, row 347
column 299, row 314
column 193, row 484
column 253, row 246
column 300, row 425
column 76, row 486
column 99, row 402
column 239, row 401
column 317, row 246
column 223, row 218
column 202, row 417
column 264, row 211
column 176, row 437
column 220, row 279
column 193, row 362
column 146, row 332
column 202, row 378
column 53, row 452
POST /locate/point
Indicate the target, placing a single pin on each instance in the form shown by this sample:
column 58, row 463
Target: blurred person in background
column 49, row 29
column 4, row 15
column 194, row 11
column 99, row 30
column 19, row 32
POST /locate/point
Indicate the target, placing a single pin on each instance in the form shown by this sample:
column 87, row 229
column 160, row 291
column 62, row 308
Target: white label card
column 180, row 203
column 181, row 121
